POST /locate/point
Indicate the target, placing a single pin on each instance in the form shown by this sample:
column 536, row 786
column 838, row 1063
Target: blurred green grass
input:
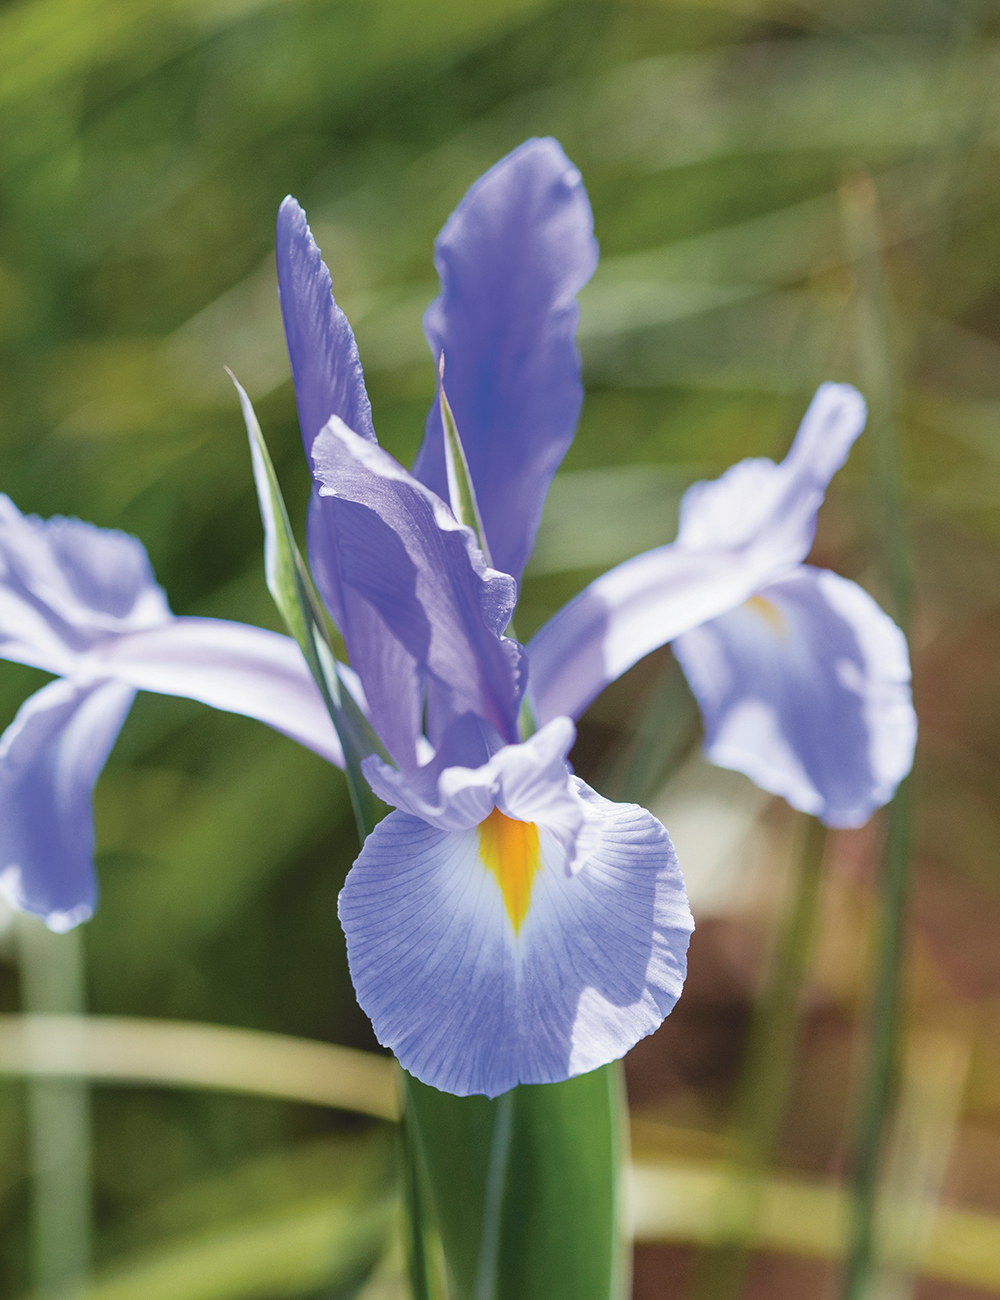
column 144, row 148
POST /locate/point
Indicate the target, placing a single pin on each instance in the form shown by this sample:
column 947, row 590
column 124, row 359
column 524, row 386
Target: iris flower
column 82, row 602
column 504, row 922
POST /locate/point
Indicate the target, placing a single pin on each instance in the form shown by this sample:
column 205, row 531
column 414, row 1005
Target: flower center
column 770, row 613
column 509, row 849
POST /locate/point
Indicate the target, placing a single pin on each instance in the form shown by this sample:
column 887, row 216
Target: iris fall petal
column 736, row 535
column 231, row 666
column 474, row 995
column 805, row 688
column 50, row 757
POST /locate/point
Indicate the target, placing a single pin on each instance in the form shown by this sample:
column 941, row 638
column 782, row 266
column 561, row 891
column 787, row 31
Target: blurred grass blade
column 126, row 1049
column 59, row 1119
column 764, row 1083
column 326, row 1245
column 934, row 1078
column 666, row 732
column 299, row 604
column 673, row 1201
column 877, row 367
column 878, row 376
column 551, row 1165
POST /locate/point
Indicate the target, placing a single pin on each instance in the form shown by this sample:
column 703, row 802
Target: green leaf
column 525, row 1188
column 461, row 491
column 299, row 604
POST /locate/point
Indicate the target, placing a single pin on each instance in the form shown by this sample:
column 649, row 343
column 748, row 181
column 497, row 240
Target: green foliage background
column 144, row 148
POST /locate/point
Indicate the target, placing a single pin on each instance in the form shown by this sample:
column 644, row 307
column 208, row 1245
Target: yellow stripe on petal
column 770, row 613
column 509, row 849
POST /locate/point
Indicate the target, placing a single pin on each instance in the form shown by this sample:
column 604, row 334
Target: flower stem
column 765, row 1081
column 496, row 1179
column 877, row 365
column 59, row 1137
column 878, row 1086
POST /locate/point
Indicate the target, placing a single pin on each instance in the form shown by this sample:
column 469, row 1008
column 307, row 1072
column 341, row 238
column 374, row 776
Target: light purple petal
column 401, row 554
column 66, row 585
column 231, row 666
column 467, row 1004
column 511, row 258
column 529, row 781
column 806, row 689
column 737, row 534
column 329, row 381
column 50, row 757
column 321, row 347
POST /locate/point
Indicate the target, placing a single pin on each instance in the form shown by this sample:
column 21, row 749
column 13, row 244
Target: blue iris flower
column 504, row 923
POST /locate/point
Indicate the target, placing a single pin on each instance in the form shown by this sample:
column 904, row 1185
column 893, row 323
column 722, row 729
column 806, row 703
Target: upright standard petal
column 511, row 259
column 66, row 585
column 321, row 347
column 329, row 382
column 50, row 757
column 231, row 666
column 484, row 962
column 805, row 688
column 401, row 554
column 737, row 534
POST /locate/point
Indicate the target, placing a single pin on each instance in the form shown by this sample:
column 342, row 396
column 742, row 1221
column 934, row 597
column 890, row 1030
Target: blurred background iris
column 783, row 193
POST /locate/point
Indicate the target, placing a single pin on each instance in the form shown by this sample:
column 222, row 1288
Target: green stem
column 59, row 1138
column 765, row 1081
column 414, row 1202
column 877, row 365
column 878, row 1086
column 496, row 1181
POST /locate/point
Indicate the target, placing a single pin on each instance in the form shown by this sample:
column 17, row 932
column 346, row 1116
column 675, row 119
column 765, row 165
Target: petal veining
column 404, row 557
column 471, row 1006
column 511, row 257
column 321, row 347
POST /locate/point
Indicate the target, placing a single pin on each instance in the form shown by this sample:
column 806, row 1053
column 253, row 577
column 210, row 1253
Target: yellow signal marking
column 509, row 849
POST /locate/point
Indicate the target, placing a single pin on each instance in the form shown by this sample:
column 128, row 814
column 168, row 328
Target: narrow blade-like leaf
column 298, row 602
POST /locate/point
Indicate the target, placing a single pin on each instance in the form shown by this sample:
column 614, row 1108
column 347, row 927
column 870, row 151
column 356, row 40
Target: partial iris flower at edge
column 81, row 602
column 802, row 680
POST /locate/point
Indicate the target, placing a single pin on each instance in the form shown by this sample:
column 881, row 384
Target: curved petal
column 805, row 688
column 65, row 585
column 511, row 257
column 231, row 666
column 402, row 554
column 321, row 347
column 736, row 535
column 471, row 1004
column 769, row 507
column 329, row 381
column 50, row 757
column 529, row 781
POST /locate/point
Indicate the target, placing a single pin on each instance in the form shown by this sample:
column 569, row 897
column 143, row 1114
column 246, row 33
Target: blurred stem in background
column 51, row 969
column 765, row 1079
column 871, row 318
column 935, row 1071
